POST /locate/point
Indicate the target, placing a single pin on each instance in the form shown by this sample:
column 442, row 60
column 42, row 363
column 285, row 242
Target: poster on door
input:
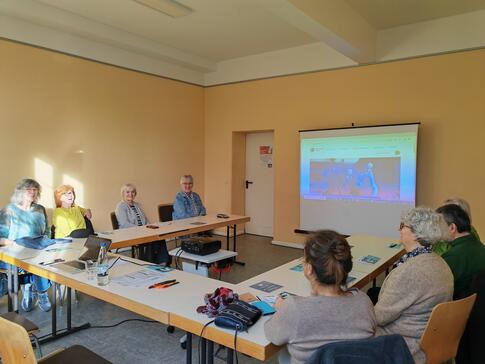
column 266, row 155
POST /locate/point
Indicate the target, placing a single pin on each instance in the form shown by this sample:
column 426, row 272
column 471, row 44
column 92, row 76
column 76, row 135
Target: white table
column 177, row 305
column 206, row 260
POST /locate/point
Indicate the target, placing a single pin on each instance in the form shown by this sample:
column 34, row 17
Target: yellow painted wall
column 149, row 130
column 445, row 93
column 132, row 128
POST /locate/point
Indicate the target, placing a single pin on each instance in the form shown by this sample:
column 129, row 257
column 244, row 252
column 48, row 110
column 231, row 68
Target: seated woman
column 67, row 216
column 129, row 213
column 419, row 281
column 24, row 217
column 442, row 247
column 187, row 203
column 331, row 313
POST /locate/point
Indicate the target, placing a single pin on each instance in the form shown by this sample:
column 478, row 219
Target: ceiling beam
column 332, row 22
column 48, row 16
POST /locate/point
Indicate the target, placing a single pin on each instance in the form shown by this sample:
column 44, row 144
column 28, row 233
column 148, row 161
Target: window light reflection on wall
column 44, row 174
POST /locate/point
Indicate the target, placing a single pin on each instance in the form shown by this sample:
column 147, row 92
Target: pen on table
column 167, row 285
column 162, row 283
column 53, row 262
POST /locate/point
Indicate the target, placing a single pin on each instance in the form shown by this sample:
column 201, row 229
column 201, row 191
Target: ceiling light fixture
column 171, row 8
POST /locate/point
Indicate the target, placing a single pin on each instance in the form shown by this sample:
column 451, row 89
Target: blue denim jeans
column 40, row 284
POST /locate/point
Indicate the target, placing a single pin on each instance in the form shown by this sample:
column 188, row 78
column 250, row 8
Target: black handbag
column 238, row 315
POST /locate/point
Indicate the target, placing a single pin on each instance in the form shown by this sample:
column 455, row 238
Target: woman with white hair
column 24, row 217
column 129, row 213
column 419, row 281
column 187, row 203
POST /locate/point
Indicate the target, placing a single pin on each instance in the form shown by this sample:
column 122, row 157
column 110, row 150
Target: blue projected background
column 349, row 176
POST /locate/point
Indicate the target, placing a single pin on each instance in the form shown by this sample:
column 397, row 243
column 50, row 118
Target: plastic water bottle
column 103, row 273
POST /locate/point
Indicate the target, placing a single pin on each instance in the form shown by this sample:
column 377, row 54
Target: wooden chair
column 116, row 226
column 165, row 211
column 445, row 326
column 114, row 221
column 15, row 348
column 30, row 327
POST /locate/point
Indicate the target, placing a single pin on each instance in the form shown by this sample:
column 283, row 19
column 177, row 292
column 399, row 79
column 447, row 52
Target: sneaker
column 44, row 302
column 28, row 299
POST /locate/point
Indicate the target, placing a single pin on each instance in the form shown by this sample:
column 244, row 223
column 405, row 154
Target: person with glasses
column 419, row 281
column 24, row 217
column 187, row 203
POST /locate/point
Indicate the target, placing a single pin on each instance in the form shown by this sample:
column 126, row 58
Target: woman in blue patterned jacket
column 187, row 203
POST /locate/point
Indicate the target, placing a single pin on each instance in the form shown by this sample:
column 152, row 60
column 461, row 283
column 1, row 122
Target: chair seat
column 75, row 354
column 14, row 317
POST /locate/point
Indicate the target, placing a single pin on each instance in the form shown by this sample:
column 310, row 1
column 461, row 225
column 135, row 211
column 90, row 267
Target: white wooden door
column 259, row 183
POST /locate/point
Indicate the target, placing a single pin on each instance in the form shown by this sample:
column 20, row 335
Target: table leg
column 54, row 335
column 54, row 309
column 10, row 288
column 234, row 246
column 15, row 288
column 203, row 351
column 228, row 236
column 210, row 352
column 68, row 311
column 230, row 356
column 188, row 348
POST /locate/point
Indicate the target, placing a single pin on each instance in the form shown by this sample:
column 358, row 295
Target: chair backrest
column 83, row 233
column 114, row 221
column 445, row 326
column 165, row 211
column 387, row 349
column 15, row 346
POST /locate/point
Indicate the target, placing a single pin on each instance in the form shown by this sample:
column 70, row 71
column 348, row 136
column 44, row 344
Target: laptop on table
column 93, row 244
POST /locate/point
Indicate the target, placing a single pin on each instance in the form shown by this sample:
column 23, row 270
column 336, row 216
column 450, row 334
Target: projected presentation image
column 363, row 178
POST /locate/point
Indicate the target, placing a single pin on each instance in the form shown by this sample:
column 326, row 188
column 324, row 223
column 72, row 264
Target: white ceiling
column 218, row 32
column 383, row 14
column 216, row 29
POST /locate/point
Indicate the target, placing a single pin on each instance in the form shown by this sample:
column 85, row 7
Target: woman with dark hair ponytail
column 332, row 313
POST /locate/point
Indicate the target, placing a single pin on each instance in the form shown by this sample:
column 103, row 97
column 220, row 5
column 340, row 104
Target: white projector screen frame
column 357, row 180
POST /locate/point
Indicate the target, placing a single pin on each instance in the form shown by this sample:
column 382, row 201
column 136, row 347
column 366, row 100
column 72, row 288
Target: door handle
column 248, row 183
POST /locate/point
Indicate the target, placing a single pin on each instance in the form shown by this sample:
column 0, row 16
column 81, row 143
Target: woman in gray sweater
column 331, row 313
column 420, row 281
column 129, row 213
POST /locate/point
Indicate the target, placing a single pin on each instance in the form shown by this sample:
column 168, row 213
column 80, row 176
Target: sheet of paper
column 266, row 286
column 141, row 278
column 369, row 259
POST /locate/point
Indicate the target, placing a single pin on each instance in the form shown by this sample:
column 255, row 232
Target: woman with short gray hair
column 129, row 213
column 187, row 203
column 420, row 280
column 21, row 218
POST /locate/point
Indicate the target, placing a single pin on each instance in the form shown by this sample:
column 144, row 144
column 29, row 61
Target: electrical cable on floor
column 103, row 327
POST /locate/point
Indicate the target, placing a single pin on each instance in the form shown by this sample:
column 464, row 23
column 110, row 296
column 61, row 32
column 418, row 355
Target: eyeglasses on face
column 403, row 225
